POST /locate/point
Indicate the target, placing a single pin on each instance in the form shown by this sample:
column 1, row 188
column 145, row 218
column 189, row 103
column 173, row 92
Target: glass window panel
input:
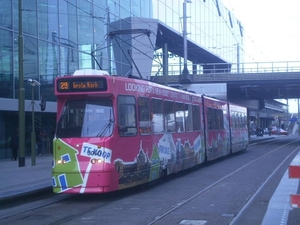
column 126, row 116
column 85, row 59
column 47, row 18
column 48, row 67
column 6, row 63
column 100, row 44
column 169, row 116
column 68, row 60
column 124, row 9
column 68, row 23
column 30, row 65
column 15, row 14
column 144, row 116
column 29, row 17
column 86, row 118
column 157, row 115
column 196, row 117
column 146, row 8
column 180, row 117
column 188, row 117
column 85, row 22
column 6, row 14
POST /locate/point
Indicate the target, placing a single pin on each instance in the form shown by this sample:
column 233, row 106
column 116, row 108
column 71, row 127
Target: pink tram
column 116, row 132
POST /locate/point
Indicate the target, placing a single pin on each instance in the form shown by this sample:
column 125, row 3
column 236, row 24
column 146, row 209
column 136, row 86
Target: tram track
column 28, row 202
column 32, row 211
column 237, row 215
column 127, row 205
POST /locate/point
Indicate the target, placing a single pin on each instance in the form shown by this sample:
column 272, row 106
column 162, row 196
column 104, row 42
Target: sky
column 271, row 28
column 271, row 31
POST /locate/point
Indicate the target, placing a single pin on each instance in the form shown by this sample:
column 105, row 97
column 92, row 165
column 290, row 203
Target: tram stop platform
column 18, row 181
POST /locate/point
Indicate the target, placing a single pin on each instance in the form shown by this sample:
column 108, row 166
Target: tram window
column 234, row 120
column 188, row 117
column 215, row 119
column 196, row 117
column 210, row 119
column 241, row 120
column 231, row 120
column 220, row 119
column 144, row 116
column 127, row 116
column 237, row 120
column 169, row 116
column 86, row 118
column 244, row 120
column 180, row 117
column 157, row 116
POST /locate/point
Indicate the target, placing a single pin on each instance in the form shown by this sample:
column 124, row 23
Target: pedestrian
column 14, row 145
column 270, row 130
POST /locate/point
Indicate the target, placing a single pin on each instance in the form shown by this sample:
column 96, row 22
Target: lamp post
column 33, row 83
column 21, row 101
column 185, row 70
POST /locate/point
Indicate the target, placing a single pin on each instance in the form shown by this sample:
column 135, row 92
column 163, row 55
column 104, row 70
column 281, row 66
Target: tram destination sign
column 81, row 84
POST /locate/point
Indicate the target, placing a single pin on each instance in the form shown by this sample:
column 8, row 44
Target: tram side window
column 210, row 119
column 220, row 119
column 215, row 119
column 179, row 117
column 188, row 117
column 169, row 116
column 196, row 117
column 127, row 116
column 237, row 122
column 234, row 120
column 244, row 120
column 240, row 120
column 144, row 116
column 157, row 116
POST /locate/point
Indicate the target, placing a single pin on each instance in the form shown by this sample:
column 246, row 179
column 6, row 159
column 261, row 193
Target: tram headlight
column 93, row 161
column 61, row 161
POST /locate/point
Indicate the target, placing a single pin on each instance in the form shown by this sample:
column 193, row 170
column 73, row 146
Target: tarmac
column 33, row 178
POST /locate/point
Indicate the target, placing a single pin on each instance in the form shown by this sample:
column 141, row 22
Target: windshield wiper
column 105, row 128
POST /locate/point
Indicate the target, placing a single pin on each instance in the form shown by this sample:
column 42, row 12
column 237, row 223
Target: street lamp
column 33, row 83
column 185, row 69
column 21, row 90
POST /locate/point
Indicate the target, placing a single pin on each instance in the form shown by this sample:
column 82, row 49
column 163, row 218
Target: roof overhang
column 175, row 41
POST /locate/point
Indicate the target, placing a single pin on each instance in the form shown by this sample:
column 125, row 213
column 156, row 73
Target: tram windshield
column 86, row 118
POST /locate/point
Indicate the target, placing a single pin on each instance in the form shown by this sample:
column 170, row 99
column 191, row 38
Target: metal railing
column 232, row 68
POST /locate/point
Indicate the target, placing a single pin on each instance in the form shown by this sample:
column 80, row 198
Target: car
column 280, row 131
column 274, row 130
column 283, row 132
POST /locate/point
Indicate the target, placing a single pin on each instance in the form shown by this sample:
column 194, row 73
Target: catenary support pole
column 21, row 92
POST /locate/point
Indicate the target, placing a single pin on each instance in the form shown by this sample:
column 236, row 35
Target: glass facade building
column 61, row 36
